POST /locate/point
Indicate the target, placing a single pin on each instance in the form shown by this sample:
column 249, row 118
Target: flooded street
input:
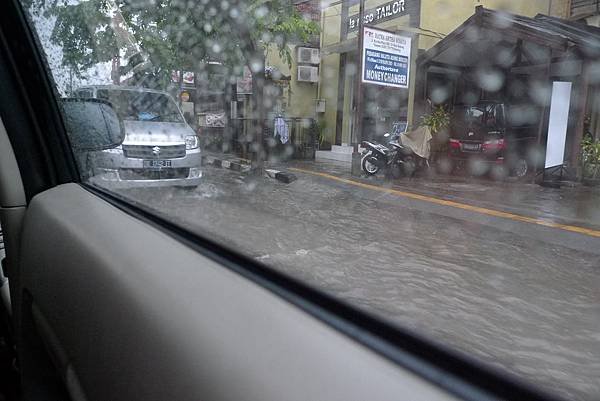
column 518, row 295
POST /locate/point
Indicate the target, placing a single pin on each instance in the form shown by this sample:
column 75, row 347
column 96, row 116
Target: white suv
column 160, row 148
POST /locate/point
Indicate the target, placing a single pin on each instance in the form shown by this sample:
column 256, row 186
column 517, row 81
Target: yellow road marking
column 458, row 205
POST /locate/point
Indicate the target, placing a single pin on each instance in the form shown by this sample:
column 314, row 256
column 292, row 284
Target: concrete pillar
column 417, row 102
column 584, row 83
column 413, row 87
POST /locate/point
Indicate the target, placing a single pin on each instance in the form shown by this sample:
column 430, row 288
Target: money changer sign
column 386, row 58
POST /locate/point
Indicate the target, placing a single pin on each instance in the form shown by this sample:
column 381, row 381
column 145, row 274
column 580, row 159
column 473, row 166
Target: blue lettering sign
column 385, row 68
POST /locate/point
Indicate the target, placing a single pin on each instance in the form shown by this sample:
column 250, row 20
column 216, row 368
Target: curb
column 228, row 164
column 282, row 176
column 241, row 167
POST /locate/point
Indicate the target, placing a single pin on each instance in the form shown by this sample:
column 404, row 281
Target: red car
column 493, row 137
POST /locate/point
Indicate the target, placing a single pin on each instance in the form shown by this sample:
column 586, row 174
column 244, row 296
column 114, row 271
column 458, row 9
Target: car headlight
column 191, row 142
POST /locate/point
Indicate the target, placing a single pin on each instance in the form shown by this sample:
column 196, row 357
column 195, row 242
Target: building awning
column 489, row 33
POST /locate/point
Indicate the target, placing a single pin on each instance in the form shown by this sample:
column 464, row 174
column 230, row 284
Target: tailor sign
column 386, row 58
column 384, row 12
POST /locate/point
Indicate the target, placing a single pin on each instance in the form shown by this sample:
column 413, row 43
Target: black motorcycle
column 394, row 159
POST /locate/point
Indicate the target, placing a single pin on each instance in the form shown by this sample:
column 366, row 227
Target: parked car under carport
column 483, row 138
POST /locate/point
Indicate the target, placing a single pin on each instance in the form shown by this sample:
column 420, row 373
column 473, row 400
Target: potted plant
column 590, row 150
column 320, row 137
column 437, row 121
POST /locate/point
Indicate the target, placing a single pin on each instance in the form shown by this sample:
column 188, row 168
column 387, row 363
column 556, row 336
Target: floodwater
column 509, row 293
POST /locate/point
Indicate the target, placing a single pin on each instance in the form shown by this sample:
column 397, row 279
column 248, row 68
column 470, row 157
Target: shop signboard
column 384, row 12
column 185, row 96
column 215, row 119
column 187, row 108
column 188, row 78
column 386, row 58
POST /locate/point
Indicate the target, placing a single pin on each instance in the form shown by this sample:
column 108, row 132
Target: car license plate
column 157, row 163
column 470, row 146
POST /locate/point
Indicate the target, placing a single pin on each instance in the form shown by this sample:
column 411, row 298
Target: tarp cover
column 418, row 141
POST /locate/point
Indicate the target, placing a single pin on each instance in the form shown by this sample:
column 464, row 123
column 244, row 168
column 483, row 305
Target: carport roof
column 486, row 28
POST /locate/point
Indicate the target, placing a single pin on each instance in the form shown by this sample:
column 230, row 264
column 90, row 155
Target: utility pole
column 70, row 80
column 358, row 95
column 259, row 113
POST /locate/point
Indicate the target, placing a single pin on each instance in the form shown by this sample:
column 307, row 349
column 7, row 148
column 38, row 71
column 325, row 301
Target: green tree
column 175, row 33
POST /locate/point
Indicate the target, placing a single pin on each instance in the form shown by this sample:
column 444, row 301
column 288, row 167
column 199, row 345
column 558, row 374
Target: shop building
column 518, row 60
column 426, row 22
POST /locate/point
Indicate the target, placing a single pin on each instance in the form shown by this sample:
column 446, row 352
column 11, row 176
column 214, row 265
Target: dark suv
column 484, row 138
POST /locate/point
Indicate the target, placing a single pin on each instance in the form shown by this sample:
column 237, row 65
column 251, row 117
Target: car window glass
column 142, row 106
column 271, row 128
column 84, row 93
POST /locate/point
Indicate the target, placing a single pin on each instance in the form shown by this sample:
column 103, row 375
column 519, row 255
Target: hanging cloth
column 281, row 129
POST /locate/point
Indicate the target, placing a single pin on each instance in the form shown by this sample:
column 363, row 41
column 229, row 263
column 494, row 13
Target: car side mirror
column 92, row 124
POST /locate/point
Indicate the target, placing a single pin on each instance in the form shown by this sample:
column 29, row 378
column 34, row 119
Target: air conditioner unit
column 308, row 55
column 308, row 73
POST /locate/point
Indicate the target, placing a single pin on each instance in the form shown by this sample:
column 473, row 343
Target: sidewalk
column 576, row 205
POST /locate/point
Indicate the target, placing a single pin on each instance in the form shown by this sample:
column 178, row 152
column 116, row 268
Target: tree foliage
column 175, row 33
column 437, row 120
column 590, row 149
column 82, row 47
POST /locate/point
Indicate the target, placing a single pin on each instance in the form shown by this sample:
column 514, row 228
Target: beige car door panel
column 130, row 312
column 12, row 210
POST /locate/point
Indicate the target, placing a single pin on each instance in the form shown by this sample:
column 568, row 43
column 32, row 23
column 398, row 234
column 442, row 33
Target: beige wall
column 444, row 16
column 329, row 73
column 302, row 94
column 329, row 68
column 560, row 8
column 330, row 25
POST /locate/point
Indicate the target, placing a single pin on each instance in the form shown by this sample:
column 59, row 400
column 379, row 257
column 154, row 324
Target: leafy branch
column 590, row 157
column 437, row 120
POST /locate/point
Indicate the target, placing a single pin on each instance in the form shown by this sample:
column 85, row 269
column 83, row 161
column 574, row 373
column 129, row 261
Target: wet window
column 141, row 105
column 84, row 93
column 435, row 163
column 484, row 115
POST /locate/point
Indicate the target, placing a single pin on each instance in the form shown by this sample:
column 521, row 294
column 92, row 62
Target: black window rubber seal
column 453, row 371
column 29, row 106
